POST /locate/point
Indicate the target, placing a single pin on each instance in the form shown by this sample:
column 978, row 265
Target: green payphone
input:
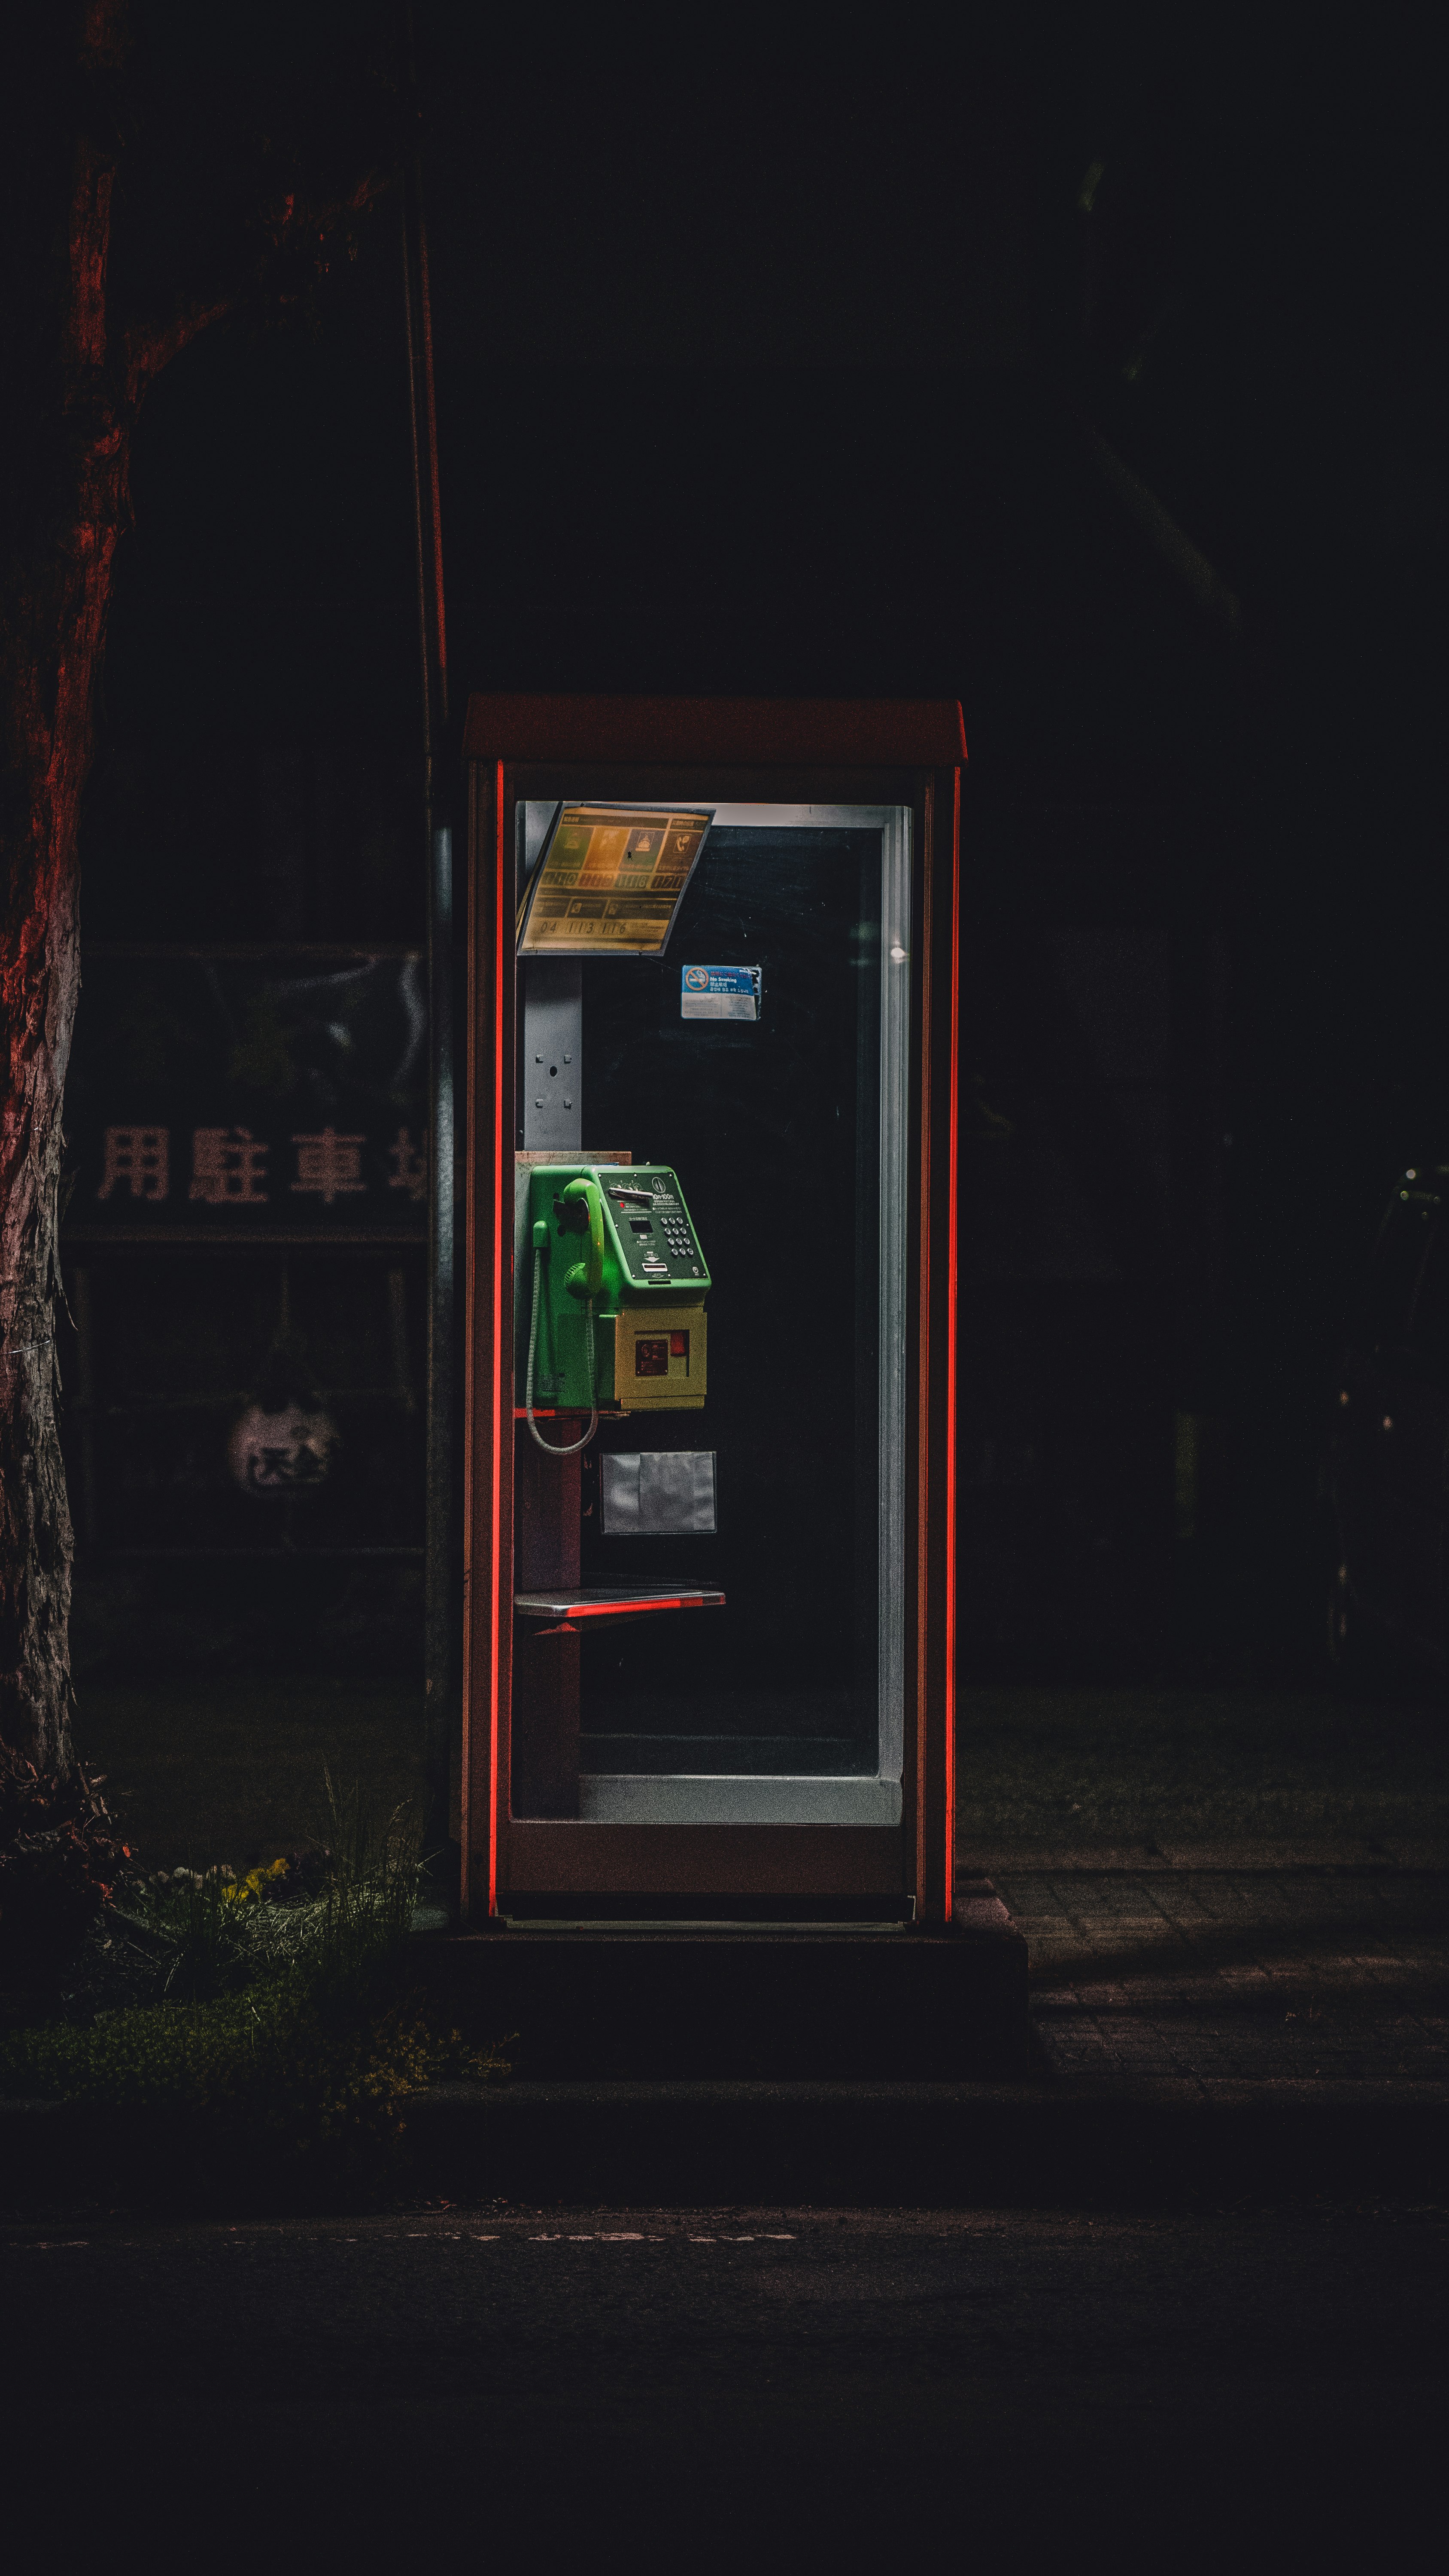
column 616, row 1288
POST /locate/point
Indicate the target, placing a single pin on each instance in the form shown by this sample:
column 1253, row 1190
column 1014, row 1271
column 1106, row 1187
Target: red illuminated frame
column 749, row 750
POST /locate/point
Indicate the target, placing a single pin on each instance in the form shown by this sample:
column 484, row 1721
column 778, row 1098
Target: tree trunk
column 75, row 447
column 40, row 978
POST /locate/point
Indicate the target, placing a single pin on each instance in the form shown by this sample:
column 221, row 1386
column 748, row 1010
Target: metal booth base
column 615, row 2000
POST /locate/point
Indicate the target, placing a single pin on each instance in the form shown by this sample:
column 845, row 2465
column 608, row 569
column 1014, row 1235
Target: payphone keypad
column 660, row 1245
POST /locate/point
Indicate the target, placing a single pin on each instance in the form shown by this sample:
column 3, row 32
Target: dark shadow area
column 876, row 2375
column 1181, row 1770
column 1090, row 396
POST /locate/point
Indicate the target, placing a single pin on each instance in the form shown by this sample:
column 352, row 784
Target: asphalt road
column 667, row 2388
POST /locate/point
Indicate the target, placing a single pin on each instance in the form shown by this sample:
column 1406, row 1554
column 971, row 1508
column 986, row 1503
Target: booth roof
column 843, row 733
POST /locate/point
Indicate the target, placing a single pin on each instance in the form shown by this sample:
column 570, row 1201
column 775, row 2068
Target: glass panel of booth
column 713, row 1053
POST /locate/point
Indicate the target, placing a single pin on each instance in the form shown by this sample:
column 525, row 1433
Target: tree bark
column 57, row 588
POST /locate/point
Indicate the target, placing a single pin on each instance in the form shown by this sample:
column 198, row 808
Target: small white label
column 719, row 993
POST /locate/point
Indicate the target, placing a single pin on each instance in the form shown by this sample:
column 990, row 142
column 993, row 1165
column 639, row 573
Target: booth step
column 662, row 2002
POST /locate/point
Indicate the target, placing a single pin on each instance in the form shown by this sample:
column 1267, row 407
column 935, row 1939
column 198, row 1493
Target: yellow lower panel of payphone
column 659, row 1358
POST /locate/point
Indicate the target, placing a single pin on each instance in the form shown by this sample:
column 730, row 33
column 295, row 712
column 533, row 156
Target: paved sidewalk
column 1322, row 1972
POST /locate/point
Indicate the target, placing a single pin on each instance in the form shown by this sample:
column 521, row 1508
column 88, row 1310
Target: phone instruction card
column 719, row 993
column 610, row 881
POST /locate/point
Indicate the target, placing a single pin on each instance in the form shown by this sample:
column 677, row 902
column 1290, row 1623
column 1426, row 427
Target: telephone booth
column 710, row 1310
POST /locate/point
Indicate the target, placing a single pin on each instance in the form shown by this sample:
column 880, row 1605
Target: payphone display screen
column 761, row 1211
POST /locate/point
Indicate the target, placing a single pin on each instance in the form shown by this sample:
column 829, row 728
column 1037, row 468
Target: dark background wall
column 789, row 370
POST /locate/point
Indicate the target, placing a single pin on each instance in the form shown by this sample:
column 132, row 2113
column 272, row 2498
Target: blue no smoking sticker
column 719, row 992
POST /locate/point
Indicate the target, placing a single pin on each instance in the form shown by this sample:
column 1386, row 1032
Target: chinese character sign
column 329, row 1166
column 223, row 1096
column 409, row 1166
column 228, row 1166
column 138, row 1160
column 284, row 1452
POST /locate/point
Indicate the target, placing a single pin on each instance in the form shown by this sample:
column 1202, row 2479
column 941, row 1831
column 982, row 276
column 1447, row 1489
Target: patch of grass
column 271, row 2057
column 280, row 2064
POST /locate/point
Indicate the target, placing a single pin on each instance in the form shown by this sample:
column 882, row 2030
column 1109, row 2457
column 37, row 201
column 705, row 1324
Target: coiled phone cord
column 547, row 1446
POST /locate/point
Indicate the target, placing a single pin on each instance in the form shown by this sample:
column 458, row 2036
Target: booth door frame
column 503, row 1854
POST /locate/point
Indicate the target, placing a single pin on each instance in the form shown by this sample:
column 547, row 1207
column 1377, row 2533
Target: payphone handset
column 613, row 1246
